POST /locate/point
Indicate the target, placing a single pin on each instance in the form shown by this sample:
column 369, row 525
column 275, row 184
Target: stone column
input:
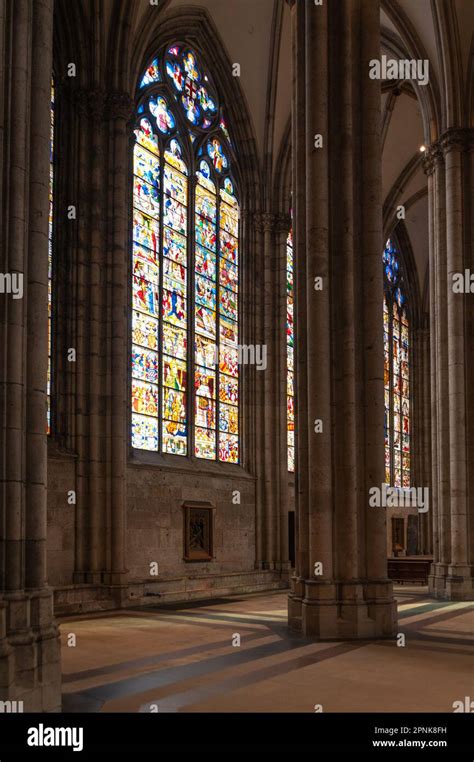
column 99, row 251
column 266, row 225
column 274, row 515
column 422, row 431
column 120, row 111
column 341, row 588
column 90, row 330
column 448, row 162
column 29, row 644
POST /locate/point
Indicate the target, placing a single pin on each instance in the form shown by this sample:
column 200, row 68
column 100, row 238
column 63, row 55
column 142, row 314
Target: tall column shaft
column 29, row 644
column 449, row 165
column 341, row 587
column 120, row 111
column 456, row 359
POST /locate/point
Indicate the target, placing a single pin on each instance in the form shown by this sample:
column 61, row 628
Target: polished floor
column 186, row 658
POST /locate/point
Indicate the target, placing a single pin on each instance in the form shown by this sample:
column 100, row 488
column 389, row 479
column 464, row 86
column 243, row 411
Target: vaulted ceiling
column 257, row 35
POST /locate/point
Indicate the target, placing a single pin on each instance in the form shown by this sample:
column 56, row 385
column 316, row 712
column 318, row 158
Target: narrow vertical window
column 50, row 261
column 396, row 372
column 185, row 259
column 290, row 345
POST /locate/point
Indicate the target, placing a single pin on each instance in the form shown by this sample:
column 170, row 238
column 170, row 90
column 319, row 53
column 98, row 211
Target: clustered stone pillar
column 449, row 166
column 120, row 113
column 100, row 135
column 29, row 644
column 340, row 588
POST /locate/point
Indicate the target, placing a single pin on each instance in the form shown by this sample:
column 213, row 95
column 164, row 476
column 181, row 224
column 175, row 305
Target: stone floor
column 181, row 658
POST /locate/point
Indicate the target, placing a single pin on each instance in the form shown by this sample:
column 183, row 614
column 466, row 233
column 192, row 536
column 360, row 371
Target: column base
column 449, row 582
column 342, row 610
column 30, row 665
column 116, row 578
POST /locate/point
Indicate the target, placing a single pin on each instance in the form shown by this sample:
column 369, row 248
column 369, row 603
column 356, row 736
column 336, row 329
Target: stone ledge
column 83, row 599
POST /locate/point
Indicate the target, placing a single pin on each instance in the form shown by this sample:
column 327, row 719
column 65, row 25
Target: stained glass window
column 185, row 266
column 396, row 371
column 290, row 349
column 50, row 259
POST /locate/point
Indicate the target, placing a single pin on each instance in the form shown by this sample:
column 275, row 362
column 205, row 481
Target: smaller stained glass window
column 396, row 338
column 50, row 261
column 290, row 349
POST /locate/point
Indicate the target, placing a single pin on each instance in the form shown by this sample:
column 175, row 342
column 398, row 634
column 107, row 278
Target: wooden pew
column 414, row 570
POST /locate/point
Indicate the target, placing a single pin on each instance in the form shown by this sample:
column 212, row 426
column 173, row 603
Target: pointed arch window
column 185, row 266
column 50, row 261
column 396, row 371
column 290, row 348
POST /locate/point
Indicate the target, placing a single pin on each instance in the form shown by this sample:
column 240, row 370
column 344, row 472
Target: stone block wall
column 61, row 522
column 155, row 521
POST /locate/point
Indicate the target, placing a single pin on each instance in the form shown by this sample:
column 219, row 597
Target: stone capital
column 433, row 157
column 89, row 102
column 264, row 222
column 282, row 223
column 454, row 139
column 120, row 106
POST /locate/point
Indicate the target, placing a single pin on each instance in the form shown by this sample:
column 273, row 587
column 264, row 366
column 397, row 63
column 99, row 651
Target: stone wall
column 61, row 522
column 155, row 500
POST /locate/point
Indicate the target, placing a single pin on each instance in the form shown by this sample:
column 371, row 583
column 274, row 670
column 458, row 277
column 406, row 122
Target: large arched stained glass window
column 50, row 261
column 290, row 349
column 396, row 371
column 185, row 319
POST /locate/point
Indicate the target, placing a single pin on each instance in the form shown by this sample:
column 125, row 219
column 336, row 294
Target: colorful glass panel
column 197, row 98
column 181, row 288
column 50, row 262
column 152, row 74
column 396, row 372
column 290, row 343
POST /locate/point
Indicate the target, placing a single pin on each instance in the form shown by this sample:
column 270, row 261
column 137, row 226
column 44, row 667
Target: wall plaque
column 198, row 531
